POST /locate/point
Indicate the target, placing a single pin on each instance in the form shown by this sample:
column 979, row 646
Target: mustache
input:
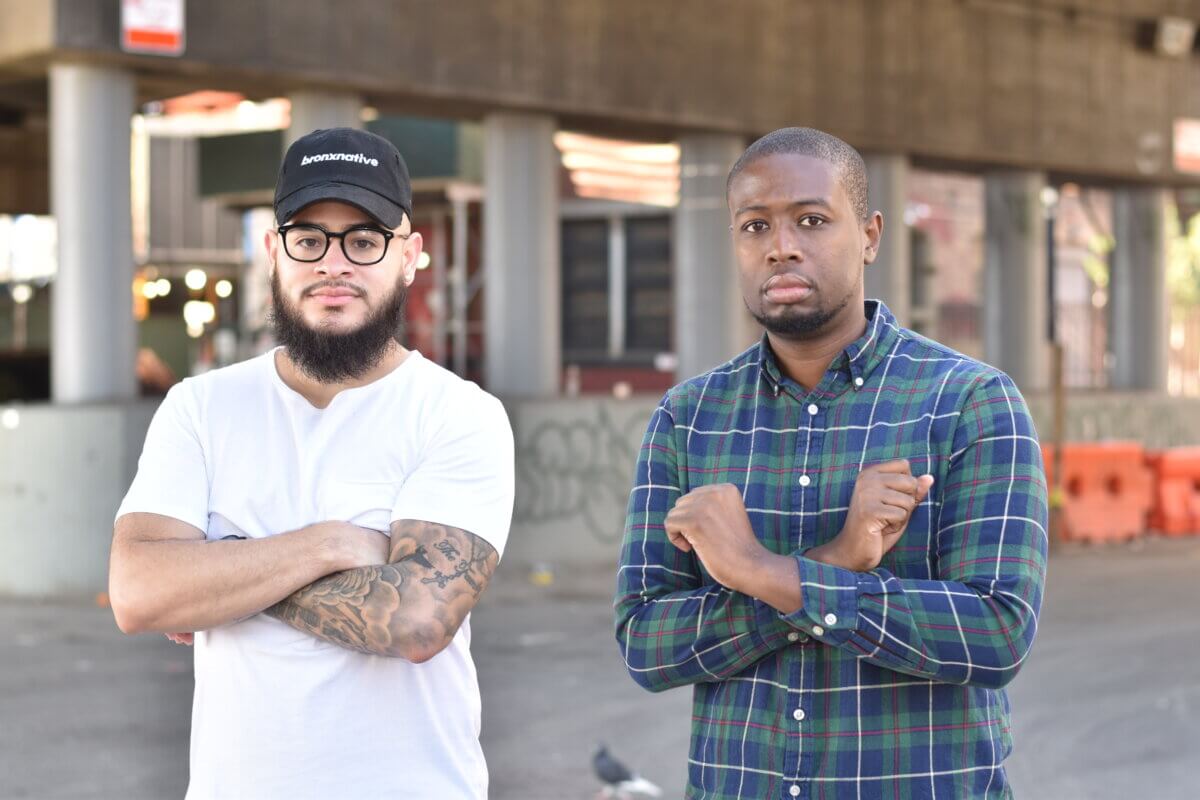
column 333, row 284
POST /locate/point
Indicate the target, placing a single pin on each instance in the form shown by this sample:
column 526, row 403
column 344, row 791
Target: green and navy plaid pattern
column 887, row 684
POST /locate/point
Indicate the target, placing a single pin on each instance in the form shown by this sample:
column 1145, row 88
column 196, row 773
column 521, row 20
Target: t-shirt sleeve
column 172, row 478
column 465, row 476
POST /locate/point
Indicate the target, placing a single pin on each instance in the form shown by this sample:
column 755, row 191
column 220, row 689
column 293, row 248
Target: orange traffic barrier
column 1107, row 490
column 1176, row 507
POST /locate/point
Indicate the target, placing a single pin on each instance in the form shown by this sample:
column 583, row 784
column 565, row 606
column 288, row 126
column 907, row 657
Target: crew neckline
column 280, row 384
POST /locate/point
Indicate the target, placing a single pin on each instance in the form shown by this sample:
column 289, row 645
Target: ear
column 413, row 246
column 873, row 234
column 271, row 243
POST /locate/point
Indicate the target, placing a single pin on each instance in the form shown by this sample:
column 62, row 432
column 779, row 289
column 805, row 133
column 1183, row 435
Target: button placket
column 808, row 458
column 816, row 438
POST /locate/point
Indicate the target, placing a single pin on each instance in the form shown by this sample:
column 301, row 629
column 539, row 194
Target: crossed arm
column 410, row 607
column 333, row 580
column 974, row 624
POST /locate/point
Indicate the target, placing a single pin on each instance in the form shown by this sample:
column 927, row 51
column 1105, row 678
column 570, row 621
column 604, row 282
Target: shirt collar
column 860, row 358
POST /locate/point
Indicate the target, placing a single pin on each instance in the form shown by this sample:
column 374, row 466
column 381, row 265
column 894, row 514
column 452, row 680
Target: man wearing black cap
column 325, row 516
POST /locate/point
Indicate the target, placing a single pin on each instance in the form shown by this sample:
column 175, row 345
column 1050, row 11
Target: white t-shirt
column 281, row 714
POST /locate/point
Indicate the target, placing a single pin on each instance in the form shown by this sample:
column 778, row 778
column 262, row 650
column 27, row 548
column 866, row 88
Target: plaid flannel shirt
column 884, row 684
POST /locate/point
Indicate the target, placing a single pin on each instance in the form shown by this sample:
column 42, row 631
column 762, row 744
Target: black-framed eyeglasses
column 363, row 245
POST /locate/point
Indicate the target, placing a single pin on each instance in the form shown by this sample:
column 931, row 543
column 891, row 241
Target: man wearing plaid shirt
column 839, row 536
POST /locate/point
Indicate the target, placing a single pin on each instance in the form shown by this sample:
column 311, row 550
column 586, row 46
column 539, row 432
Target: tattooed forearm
column 463, row 567
column 410, row 608
column 350, row 608
column 418, row 557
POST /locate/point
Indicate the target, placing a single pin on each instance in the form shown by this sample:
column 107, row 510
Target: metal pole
column 1051, row 278
column 438, row 265
column 1057, row 435
column 458, row 283
column 1057, row 383
column 616, row 286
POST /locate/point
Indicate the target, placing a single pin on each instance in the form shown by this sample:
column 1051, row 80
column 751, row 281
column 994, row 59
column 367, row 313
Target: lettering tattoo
column 408, row 608
column 441, row 580
column 463, row 570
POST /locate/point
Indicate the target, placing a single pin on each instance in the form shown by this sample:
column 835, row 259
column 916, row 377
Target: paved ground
column 1107, row 707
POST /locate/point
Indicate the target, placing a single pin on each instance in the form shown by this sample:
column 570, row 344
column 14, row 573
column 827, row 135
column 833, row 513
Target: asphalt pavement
column 1108, row 705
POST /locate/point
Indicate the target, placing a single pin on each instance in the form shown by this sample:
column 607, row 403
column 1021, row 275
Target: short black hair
column 815, row 144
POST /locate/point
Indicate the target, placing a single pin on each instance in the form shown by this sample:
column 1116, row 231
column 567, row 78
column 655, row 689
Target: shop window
column 616, row 284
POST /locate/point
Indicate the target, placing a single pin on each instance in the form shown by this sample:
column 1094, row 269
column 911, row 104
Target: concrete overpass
column 1024, row 93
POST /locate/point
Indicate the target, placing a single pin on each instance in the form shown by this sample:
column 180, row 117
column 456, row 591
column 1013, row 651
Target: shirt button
column 812, row 409
column 805, row 480
column 831, row 619
column 858, row 381
column 798, row 714
column 794, row 791
column 818, row 630
column 793, row 637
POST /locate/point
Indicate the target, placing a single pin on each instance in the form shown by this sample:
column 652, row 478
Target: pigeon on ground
column 619, row 782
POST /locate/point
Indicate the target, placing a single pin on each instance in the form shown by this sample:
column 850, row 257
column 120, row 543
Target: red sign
column 154, row 27
column 1187, row 145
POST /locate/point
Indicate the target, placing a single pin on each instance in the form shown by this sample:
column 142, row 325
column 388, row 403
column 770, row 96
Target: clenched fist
column 885, row 495
column 712, row 522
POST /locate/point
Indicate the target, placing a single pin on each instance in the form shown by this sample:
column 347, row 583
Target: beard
column 800, row 325
column 330, row 356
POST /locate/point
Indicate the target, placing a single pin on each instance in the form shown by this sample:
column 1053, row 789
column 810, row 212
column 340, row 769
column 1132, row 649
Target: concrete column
column 1139, row 319
column 93, row 333
column 711, row 321
column 312, row 110
column 890, row 278
column 1014, row 278
column 522, row 255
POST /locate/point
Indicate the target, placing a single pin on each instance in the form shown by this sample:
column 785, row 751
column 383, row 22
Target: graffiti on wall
column 575, row 464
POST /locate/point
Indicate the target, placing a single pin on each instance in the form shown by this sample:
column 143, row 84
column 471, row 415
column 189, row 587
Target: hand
column 885, row 495
column 712, row 522
column 181, row 638
column 354, row 546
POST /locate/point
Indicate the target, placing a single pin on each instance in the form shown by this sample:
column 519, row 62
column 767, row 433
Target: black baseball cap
column 347, row 165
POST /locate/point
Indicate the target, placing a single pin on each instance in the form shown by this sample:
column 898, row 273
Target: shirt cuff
column 830, row 600
column 770, row 627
